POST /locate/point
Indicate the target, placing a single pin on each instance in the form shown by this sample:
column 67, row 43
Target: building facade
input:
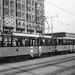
column 24, row 16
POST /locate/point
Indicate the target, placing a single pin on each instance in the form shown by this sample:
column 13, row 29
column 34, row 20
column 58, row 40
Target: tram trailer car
column 65, row 44
column 46, row 47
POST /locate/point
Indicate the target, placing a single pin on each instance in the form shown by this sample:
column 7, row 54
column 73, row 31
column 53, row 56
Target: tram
column 18, row 45
column 25, row 45
column 65, row 44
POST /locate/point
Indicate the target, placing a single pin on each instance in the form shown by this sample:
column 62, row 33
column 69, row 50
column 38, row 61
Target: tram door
column 74, row 44
column 33, row 47
column 0, row 44
column 6, row 50
column 71, row 45
column 39, row 46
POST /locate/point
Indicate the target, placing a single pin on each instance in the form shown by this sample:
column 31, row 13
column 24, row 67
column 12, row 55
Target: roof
column 62, row 34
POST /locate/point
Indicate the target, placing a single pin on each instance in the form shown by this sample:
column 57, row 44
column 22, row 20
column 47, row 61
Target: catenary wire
column 59, row 8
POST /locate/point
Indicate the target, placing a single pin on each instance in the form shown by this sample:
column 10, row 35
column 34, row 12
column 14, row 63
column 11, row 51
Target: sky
column 65, row 22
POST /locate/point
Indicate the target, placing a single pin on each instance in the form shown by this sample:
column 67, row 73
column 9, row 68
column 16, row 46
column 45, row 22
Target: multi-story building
column 25, row 16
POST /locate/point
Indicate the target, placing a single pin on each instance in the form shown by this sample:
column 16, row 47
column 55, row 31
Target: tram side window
column 70, row 42
column 23, row 42
column 19, row 42
column 73, row 42
column 34, row 42
column 9, row 42
column 47, row 42
column 60, row 41
column 65, row 42
column 27, row 42
column 56, row 42
column 31, row 42
column 0, row 41
column 14, row 41
column 41, row 42
column 6, row 42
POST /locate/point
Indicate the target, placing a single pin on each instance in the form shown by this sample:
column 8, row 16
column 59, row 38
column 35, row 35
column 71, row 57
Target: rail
column 16, row 70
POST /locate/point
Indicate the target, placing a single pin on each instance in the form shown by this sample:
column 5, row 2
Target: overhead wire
column 59, row 8
column 62, row 23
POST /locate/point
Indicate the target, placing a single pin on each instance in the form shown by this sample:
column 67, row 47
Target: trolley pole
column 52, row 27
column 52, row 24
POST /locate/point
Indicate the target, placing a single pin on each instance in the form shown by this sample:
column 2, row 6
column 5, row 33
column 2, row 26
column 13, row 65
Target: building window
column 26, row 8
column 11, row 21
column 18, row 23
column 6, row 12
column 18, row 6
column 23, row 24
column 18, row 14
column 6, row 3
column 29, row 9
column 12, row 4
column 33, row 18
column 23, row 7
column 27, row 16
column 12, row 12
column 32, row 2
column 0, row 10
column 29, row 2
column 23, row 1
column 33, row 9
column 18, row 0
column 23, row 15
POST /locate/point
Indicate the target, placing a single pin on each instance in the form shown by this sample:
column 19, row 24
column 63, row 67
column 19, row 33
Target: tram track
column 68, row 70
column 26, row 68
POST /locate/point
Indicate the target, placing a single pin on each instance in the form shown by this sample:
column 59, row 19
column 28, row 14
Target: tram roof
column 25, row 35
column 65, row 38
column 31, row 35
column 47, row 36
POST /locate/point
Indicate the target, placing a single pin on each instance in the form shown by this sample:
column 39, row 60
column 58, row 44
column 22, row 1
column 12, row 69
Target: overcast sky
column 65, row 21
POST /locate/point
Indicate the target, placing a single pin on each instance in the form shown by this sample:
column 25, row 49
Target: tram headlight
column 40, row 48
column 31, row 51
